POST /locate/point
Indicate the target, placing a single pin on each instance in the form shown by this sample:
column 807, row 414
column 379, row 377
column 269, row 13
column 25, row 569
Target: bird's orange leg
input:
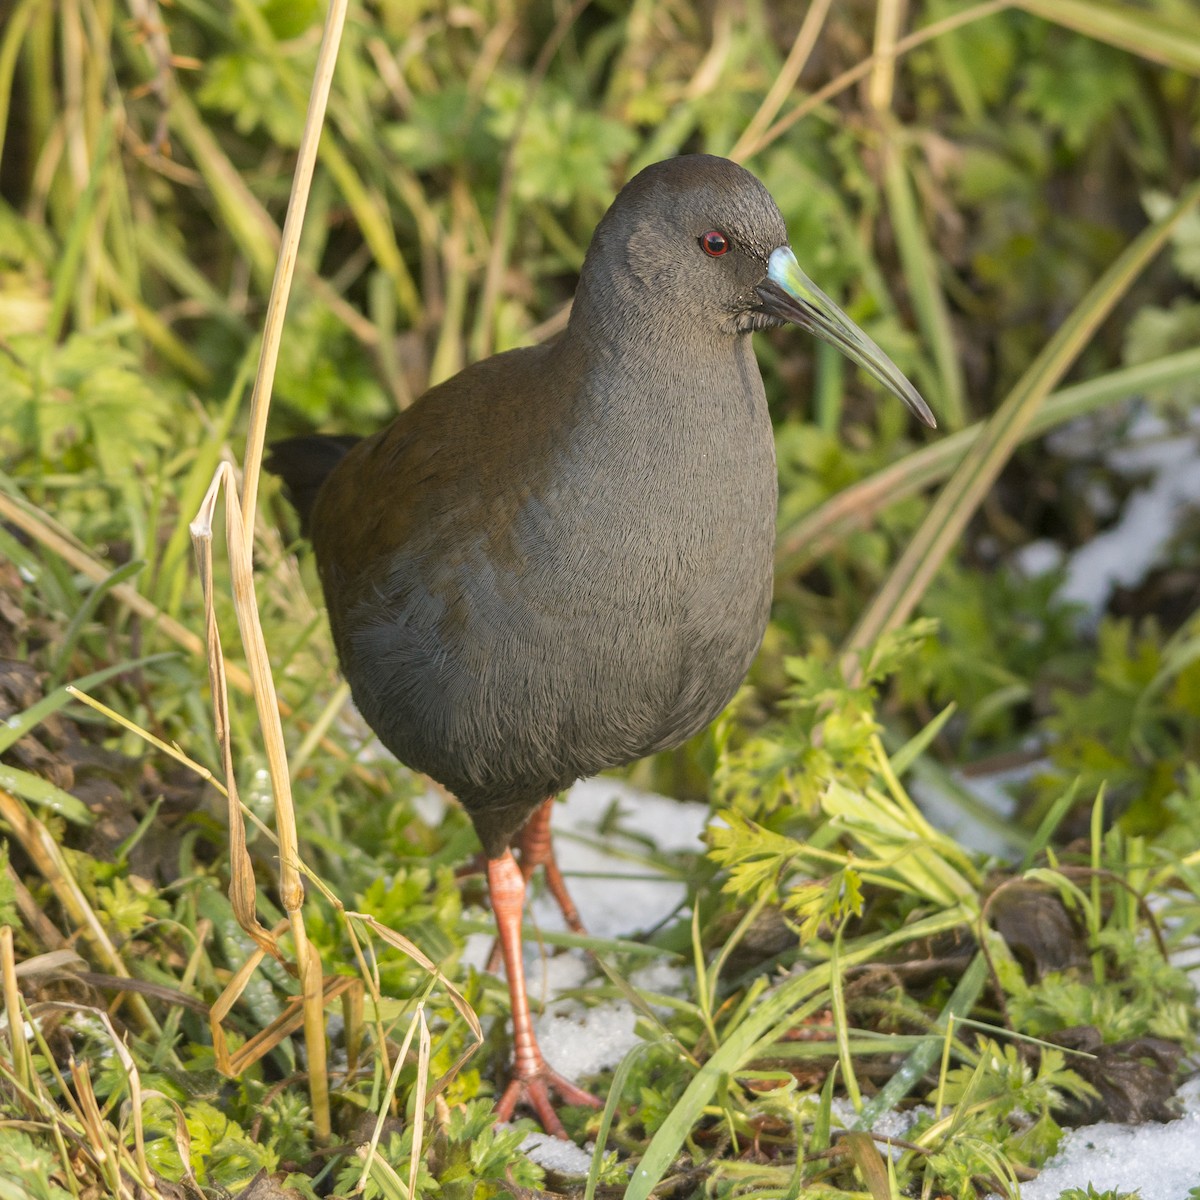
column 537, row 850
column 532, row 1080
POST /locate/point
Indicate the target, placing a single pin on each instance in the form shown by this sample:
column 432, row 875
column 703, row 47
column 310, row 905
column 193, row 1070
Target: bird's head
column 695, row 248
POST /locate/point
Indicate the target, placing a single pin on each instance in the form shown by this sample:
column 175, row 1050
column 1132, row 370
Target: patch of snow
column 613, row 893
column 430, row 805
column 580, row 1041
column 894, row 1124
column 476, row 950
column 898, row 1123
column 617, row 891
column 663, row 977
column 1162, row 1162
column 1038, row 558
column 549, row 975
column 1123, row 554
column 949, row 815
column 616, row 897
column 1159, row 1162
column 557, row 1155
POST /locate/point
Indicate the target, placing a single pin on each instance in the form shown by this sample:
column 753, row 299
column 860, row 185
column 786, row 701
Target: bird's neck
column 624, row 315
column 642, row 367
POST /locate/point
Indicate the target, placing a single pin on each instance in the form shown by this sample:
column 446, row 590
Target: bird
column 559, row 560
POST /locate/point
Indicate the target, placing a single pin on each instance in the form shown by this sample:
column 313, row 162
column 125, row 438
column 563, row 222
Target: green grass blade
column 17, row 22
column 66, row 273
column 171, row 574
column 44, row 794
column 16, row 727
column 84, row 615
column 904, row 587
column 789, row 1003
column 584, row 941
column 1138, row 30
column 1048, row 824
column 856, row 506
column 925, row 289
column 841, row 1022
column 246, row 221
column 962, row 1000
column 903, row 758
column 606, row 1117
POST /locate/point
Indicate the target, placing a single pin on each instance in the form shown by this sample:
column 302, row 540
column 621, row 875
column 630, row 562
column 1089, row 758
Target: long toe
column 532, row 1079
column 533, row 1091
column 558, row 889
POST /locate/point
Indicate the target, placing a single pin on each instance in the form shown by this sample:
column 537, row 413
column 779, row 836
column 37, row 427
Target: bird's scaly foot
column 532, row 1088
column 532, row 1079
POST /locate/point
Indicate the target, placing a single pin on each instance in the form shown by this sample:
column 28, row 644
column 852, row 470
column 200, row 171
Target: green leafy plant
column 966, row 194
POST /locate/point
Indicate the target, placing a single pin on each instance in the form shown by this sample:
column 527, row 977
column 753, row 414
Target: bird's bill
column 789, row 294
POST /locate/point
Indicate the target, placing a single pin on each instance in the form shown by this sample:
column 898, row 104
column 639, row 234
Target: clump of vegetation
column 866, row 1004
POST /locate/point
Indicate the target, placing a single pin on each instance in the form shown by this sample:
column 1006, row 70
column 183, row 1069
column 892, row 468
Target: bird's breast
column 611, row 606
column 656, row 548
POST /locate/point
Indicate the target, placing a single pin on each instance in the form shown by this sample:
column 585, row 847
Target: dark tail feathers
column 303, row 463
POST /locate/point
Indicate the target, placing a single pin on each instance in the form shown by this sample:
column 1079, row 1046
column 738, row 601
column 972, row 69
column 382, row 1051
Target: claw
column 532, row 1079
column 534, row 1091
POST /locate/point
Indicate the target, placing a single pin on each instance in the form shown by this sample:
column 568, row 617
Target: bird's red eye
column 714, row 243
